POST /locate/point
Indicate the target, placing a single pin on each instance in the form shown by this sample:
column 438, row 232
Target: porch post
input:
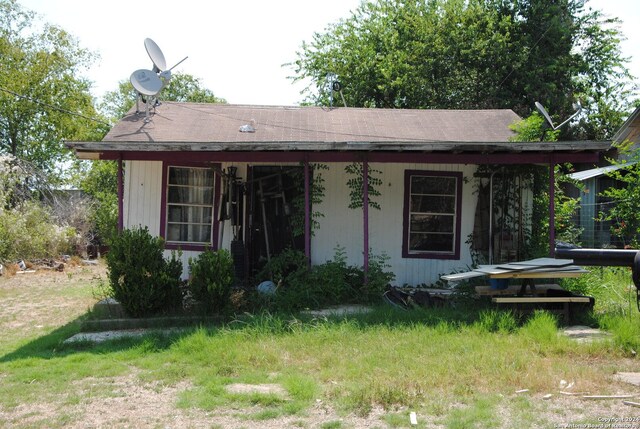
column 552, row 207
column 120, row 194
column 307, row 212
column 365, row 214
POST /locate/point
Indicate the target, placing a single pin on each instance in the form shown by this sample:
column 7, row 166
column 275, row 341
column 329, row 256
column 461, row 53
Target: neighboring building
column 241, row 178
column 593, row 205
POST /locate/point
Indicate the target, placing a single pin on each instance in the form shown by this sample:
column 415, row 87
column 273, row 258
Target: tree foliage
column 99, row 181
column 459, row 54
column 42, row 98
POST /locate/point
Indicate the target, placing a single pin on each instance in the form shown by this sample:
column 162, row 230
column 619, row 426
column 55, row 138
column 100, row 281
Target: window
column 432, row 215
column 190, row 196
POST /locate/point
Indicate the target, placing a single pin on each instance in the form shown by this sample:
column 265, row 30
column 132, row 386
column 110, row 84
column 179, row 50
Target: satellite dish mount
column 334, row 85
column 149, row 83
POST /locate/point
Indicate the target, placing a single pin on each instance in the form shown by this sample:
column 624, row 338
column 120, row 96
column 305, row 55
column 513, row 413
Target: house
column 593, row 205
column 259, row 179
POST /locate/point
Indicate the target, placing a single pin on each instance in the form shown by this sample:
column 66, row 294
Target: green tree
column 42, row 98
column 181, row 87
column 99, row 181
column 466, row 54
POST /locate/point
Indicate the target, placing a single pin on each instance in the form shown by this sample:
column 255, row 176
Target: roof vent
column 248, row 128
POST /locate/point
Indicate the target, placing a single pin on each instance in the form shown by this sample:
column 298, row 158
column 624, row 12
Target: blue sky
column 235, row 47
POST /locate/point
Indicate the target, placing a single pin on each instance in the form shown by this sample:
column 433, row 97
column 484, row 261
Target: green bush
column 28, row 231
column 334, row 282
column 212, row 278
column 141, row 279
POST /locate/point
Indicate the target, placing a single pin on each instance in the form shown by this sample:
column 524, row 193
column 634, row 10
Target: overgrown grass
column 456, row 368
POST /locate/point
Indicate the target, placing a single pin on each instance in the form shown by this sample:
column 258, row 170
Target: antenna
column 544, row 112
column 149, row 83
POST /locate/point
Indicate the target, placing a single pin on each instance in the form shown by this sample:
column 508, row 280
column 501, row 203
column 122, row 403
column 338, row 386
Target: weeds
column 459, row 367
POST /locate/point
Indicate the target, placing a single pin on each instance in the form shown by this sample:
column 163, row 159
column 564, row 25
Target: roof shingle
column 206, row 123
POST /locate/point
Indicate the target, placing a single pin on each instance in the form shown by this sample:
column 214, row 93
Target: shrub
column 331, row 283
column 141, row 279
column 28, row 231
column 212, row 278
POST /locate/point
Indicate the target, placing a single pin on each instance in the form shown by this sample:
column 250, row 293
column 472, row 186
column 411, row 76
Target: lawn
column 454, row 368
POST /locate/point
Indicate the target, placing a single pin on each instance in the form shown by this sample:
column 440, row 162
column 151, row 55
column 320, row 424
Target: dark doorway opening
column 274, row 198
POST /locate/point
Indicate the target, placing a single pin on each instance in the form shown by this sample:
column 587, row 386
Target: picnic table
column 529, row 271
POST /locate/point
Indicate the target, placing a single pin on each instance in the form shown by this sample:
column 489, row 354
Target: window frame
column 164, row 212
column 406, row 222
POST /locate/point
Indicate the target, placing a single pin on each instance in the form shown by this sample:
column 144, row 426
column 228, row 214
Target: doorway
column 275, row 208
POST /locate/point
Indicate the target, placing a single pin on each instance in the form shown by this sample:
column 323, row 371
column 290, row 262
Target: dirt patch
column 629, row 377
column 585, row 334
column 263, row 389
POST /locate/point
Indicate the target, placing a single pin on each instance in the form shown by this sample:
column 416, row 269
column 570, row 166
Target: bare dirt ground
column 30, row 304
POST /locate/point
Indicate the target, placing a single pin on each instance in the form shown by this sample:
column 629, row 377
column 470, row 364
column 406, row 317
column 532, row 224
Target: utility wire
column 50, row 106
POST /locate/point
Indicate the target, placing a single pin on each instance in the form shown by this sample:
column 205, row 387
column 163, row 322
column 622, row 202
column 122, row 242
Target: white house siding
column 142, row 194
column 340, row 225
column 343, row 227
column 142, row 200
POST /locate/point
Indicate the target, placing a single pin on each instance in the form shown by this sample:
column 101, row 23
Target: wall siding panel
column 143, row 185
column 340, row 225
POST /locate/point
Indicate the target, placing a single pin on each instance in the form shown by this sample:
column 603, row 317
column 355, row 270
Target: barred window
column 190, row 205
column 432, row 211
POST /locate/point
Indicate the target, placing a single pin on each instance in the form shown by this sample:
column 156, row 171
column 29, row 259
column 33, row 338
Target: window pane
column 190, row 199
column 433, row 185
column 191, row 176
column 431, row 242
column 189, row 233
column 190, row 195
column 432, row 213
column 431, row 223
column 189, row 214
column 432, row 204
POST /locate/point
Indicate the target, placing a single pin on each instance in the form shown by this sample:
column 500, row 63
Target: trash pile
column 43, row 264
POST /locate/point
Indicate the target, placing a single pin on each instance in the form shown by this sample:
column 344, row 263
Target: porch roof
column 220, row 128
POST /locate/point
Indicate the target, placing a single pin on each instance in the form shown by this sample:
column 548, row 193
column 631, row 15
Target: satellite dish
column 149, row 83
column 544, row 113
column 146, row 82
column 156, row 55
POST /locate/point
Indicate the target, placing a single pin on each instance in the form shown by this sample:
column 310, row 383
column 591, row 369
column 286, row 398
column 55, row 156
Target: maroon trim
column 365, row 216
column 163, row 208
column 307, row 213
column 356, row 156
column 120, row 185
column 552, row 209
column 406, row 223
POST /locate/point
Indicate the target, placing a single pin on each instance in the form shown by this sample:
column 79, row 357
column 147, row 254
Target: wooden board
column 514, row 289
column 542, row 273
column 533, row 268
column 537, row 300
column 462, row 276
column 543, row 262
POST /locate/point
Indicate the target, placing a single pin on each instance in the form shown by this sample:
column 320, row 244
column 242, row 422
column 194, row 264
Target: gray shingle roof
column 205, row 123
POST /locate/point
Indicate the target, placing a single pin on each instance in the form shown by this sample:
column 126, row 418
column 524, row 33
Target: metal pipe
column 598, row 257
